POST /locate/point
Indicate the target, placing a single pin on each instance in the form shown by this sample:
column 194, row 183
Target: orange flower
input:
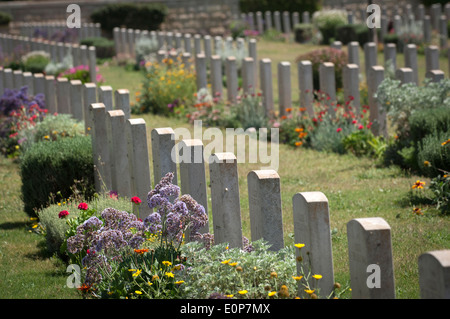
column 284, row 117
column 446, row 142
column 299, row 129
column 418, row 184
column 298, row 143
column 302, row 109
column 140, row 251
column 417, row 211
column 84, row 288
column 289, row 109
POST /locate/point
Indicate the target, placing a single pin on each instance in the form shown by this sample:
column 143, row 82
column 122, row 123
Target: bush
column 130, row 15
column 420, row 116
column 327, row 21
column 280, row 5
column 317, row 57
column 5, row 18
column 51, row 167
column 104, row 48
column 430, row 150
column 352, row 32
column 35, row 61
column 303, row 32
column 56, row 227
column 51, row 128
column 167, row 89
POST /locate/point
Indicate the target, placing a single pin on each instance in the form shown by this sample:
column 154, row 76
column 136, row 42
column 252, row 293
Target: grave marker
column 120, row 168
column 312, row 228
column 266, row 218
column 369, row 243
column 136, row 133
column 192, row 173
column 434, row 274
column 225, row 201
column 163, row 142
column 284, row 87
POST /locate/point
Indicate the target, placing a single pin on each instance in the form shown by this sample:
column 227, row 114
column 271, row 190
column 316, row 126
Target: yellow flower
column 427, row 163
column 418, row 184
column 225, row 261
column 299, row 245
column 309, row 291
column 233, row 264
column 167, row 263
column 46, row 137
column 155, row 277
column 317, row 277
column 284, row 292
column 272, row 293
column 297, row 278
column 179, row 282
column 137, row 292
column 34, row 226
column 169, row 274
column 137, row 273
column 149, row 283
column 273, row 274
column 243, row 292
column 33, row 218
column 229, row 296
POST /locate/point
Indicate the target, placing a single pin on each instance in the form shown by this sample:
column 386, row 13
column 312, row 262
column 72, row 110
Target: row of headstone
column 50, row 30
column 369, row 239
column 58, row 51
column 121, row 163
column 125, row 42
column 432, row 68
column 280, row 21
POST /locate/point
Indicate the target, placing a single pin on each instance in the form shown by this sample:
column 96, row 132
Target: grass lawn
column 355, row 188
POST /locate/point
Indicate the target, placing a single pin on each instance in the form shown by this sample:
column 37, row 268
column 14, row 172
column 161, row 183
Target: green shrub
column 167, row 89
column 56, row 228
column 327, row 21
column 35, row 61
column 104, row 48
column 419, row 114
column 5, row 18
column 304, row 32
column 130, row 15
column 318, row 56
column 280, row 5
column 51, row 167
column 430, row 149
column 51, row 128
column 426, row 122
column 352, row 32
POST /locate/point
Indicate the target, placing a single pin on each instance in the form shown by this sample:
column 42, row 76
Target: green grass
column 355, row 188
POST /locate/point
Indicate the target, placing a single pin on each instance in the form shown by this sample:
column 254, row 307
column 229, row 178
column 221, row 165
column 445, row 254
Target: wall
column 194, row 16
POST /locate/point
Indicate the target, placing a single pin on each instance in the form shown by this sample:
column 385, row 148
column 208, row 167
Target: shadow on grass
column 13, row 225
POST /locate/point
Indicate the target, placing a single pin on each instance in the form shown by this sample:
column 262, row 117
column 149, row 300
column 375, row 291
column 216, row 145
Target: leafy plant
column 167, row 87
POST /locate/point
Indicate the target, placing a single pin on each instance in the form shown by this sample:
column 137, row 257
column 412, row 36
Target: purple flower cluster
column 105, row 238
column 173, row 217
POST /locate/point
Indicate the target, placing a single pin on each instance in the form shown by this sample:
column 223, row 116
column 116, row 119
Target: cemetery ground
column 355, row 188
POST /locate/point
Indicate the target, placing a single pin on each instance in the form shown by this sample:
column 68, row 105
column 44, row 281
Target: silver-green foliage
column 223, row 271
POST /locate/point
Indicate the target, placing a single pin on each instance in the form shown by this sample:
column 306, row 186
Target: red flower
column 63, row 213
column 83, row 206
column 136, row 200
column 360, row 127
column 339, row 129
